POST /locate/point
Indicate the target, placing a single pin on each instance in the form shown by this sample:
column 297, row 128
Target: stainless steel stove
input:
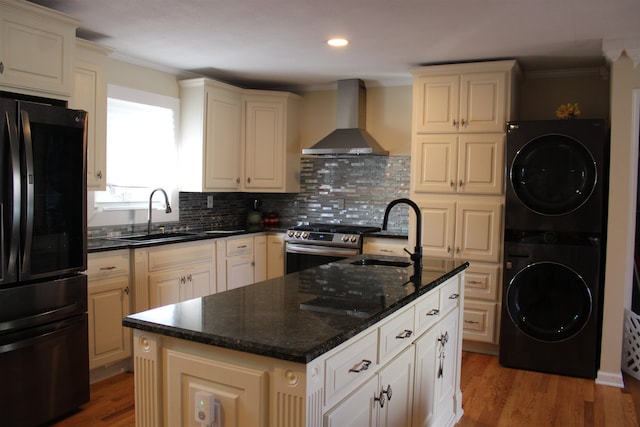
column 316, row 244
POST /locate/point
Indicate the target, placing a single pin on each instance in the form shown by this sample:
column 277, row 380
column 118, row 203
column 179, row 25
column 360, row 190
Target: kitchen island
column 354, row 341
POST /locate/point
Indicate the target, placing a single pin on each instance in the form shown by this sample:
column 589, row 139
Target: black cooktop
column 336, row 228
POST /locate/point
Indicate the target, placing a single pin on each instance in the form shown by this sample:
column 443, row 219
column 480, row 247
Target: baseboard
column 612, row 379
column 480, row 347
column 104, row 372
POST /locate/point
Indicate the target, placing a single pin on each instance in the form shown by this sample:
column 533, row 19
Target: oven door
column 300, row 257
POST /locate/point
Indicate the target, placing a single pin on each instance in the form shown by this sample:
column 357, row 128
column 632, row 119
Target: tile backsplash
column 347, row 189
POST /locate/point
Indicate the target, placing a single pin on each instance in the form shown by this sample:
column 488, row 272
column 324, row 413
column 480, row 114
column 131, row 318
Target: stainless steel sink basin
column 157, row 236
column 384, row 262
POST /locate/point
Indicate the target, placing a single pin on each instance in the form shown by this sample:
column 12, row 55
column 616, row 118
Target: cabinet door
column 438, row 228
column 200, row 281
column 481, row 164
column 478, row 231
column 396, row 379
column 164, row 287
column 89, row 94
column 437, row 103
column 426, row 366
column 109, row 302
column 36, row 51
column 275, row 256
column 264, row 144
column 240, row 271
column 260, row 258
column 446, row 370
column 359, row 409
column 223, row 130
column 482, row 102
column 434, row 162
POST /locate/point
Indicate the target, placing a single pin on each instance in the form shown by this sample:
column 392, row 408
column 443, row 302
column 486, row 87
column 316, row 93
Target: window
column 142, row 154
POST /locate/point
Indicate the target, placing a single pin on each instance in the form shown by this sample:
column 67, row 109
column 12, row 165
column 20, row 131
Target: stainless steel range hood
column 350, row 137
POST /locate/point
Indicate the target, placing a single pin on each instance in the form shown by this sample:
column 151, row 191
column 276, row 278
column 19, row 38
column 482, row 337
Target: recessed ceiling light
column 337, row 42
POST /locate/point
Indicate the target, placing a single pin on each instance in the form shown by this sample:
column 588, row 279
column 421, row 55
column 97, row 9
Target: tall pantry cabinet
column 457, row 178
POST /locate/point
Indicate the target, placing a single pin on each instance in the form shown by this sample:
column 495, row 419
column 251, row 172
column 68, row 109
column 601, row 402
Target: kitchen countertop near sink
column 101, row 244
column 302, row 315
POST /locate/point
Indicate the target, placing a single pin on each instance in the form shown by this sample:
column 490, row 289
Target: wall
column 622, row 211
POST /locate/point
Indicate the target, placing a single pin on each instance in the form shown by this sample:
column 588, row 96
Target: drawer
column 395, row 334
column 345, row 370
column 241, row 246
column 449, row 295
column 427, row 312
column 482, row 281
column 106, row 264
column 479, row 322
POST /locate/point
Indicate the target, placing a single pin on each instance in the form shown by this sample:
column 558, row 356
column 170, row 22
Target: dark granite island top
column 300, row 316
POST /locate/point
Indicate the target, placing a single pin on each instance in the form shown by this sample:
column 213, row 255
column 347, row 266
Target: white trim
column 611, row 379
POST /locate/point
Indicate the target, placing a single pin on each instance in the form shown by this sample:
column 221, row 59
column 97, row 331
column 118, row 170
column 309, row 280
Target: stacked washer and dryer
column 555, row 231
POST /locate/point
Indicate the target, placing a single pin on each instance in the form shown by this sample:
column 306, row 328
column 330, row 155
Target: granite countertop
column 300, row 316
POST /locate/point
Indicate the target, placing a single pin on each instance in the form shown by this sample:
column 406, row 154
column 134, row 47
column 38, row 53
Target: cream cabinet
column 468, row 98
column 174, row 272
column 109, row 301
column 238, row 140
column 36, row 49
column 466, row 230
column 465, row 163
column 275, row 255
column 271, row 142
column 90, row 94
column 385, row 246
column 211, row 136
column 241, row 261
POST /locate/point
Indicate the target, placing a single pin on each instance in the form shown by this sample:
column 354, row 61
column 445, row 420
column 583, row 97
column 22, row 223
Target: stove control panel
column 323, row 238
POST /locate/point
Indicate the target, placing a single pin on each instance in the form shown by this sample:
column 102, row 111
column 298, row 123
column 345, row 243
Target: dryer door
column 548, row 301
column 553, row 174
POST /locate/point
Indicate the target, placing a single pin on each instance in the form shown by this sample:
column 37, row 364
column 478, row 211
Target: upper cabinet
column 210, row 146
column 238, row 140
column 90, row 94
column 271, row 142
column 468, row 98
column 36, row 49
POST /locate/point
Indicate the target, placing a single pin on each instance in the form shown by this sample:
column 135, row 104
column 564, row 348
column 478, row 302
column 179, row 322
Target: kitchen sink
column 157, row 236
column 384, row 262
column 218, row 232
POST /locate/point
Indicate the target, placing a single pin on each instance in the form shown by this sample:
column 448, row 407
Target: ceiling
column 281, row 43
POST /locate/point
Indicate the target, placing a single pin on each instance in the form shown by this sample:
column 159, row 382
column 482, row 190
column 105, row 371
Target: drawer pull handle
column 473, row 322
column 404, row 334
column 433, row 312
column 242, row 246
column 475, row 282
column 111, row 267
column 362, row 366
column 454, row 296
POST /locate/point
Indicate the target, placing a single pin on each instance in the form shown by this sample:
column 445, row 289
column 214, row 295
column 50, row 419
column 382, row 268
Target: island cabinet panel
column 240, row 392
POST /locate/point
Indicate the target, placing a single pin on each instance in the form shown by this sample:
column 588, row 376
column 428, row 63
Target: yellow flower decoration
column 568, row 111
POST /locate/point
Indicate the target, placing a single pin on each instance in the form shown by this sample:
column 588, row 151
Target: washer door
column 548, row 301
column 553, row 175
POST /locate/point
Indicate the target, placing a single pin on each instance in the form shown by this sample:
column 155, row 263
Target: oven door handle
column 321, row 250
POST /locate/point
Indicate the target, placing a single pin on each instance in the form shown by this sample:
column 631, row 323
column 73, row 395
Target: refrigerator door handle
column 14, row 237
column 29, row 194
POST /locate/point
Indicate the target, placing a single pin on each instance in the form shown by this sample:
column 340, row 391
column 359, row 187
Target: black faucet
column 416, row 256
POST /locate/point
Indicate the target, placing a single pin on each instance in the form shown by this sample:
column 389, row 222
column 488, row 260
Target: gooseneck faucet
column 167, row 210
column 416, row 256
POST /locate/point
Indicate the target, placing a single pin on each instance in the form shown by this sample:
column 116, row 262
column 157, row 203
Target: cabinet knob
column 455, row 123
column 448, row 249
column 463, row 123
column 183, row 280
column 1, row 67
column 452, row 184
column 248, row 180
column 388, row 392
column 381, row 399
column 238, row 180
column 126, row 290
column 99, row 174
column 189, row 278
column 461, row 183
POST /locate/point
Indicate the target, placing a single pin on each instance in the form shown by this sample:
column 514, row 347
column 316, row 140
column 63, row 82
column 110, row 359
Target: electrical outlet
column 209, row 202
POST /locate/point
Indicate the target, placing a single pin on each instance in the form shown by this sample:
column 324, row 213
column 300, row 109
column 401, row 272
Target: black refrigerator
column 44, row 364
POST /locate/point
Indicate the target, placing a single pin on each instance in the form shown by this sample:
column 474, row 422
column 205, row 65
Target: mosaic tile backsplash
column 349, row 190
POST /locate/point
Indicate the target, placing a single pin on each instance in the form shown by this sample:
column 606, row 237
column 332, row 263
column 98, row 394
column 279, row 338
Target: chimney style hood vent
column 350, row 137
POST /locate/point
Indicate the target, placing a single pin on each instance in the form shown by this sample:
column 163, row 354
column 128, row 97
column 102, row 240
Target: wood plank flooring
column 492, row 396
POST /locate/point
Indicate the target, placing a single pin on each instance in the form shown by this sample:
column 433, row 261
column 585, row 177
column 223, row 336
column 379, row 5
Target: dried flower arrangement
column 568, row 111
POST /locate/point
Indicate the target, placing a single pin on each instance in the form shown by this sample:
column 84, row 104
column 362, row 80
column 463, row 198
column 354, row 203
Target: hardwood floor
column 492, row 396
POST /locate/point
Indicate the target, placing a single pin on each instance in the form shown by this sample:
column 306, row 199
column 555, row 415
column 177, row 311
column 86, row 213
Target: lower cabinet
column 275, row 255
column 384, row 400
column 109, row 300
column 241, row 261
column 173, row 273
